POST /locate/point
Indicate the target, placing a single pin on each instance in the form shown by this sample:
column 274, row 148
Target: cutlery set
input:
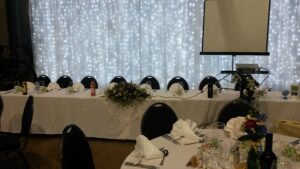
column 171, row 139
column 140, row 165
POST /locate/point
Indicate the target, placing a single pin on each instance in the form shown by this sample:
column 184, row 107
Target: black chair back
column 207, row 80
column 26, row 121
column 178, row 79
column 158, row 120
column 237, row 86
column 45, row 79
column 64, row 81
column 86, row 81
column 75, row 149
column 151, row 80
column 234, row 109
column 118, row 79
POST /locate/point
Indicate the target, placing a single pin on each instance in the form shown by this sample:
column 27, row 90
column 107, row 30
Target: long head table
column 99, row 117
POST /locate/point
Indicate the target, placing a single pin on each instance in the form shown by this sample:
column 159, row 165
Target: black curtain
column 18, row 66
column 19, row 30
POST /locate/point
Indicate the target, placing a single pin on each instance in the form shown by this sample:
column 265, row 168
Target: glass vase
column 253, row 159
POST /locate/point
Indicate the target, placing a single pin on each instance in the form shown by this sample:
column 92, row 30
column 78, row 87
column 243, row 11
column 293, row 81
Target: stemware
column 16, row 84
column 215, row 125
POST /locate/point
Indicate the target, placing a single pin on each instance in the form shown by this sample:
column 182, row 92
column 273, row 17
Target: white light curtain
column 135, row 38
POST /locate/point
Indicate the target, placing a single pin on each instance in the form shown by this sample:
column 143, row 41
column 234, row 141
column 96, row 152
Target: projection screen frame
column 234, row 53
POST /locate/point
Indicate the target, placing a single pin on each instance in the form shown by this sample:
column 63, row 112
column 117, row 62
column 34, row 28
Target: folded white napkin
column 77, row 87
column 30, row 86
column 146, row 86
column 177, row 89
column 191, row 124
column 52, row 86
column 112, row 85
column 183, row 131
column 145, row 148
column 233, row 127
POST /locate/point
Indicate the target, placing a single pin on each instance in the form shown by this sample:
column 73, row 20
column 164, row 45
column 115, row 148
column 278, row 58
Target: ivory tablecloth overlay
column 99, row 117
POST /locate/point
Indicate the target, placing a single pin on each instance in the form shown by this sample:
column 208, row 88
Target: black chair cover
column 64, row 81
column 157, row 120
column 233, row 109
column 152, row 81
column 178, row 79
column 86, row 81
column 75, row 149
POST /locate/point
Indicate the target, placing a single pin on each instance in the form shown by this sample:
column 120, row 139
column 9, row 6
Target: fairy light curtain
column 135, row 38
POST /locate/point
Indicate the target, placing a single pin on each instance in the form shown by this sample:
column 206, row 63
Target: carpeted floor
column 43, row 152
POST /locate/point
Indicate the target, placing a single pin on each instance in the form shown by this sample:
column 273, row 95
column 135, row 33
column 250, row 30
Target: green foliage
column 126, row 94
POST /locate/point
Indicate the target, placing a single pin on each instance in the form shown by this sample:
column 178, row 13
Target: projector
column 247, row 68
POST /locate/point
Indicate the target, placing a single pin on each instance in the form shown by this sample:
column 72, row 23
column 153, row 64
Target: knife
column 170, row 139
column 295, row 142
column 140, row 165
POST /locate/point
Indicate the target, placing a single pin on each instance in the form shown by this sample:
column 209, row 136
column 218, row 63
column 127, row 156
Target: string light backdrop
column 105, row 38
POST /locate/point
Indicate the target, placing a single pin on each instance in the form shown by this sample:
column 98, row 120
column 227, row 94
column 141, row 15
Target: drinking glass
column 42, row 83
column 217, row 134
column 216, row 125
column 17, row 87
column 16, row 84
column 37, row 86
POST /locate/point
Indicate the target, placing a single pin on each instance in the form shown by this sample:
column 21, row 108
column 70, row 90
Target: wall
column 3, row 24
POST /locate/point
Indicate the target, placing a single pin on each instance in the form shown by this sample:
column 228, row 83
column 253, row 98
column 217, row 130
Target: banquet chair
column 45, row 79
column 15, row 143
column 64, row 81
column 178, row 79
column 209, row 79
column 86, row 81
column 237, row 86
column 157, row 120
column 118, row 79
column 75, row 149
column 152, row 81
column 234, row 109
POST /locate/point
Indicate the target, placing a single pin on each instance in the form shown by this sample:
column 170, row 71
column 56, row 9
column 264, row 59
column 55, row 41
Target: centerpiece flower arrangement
column 126, row 94
column 249, row 88
column 255, row 130
column 254, row 124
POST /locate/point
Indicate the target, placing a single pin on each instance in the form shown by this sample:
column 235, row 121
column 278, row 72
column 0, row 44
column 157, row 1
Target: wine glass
column 215, row 125
column 285, row 93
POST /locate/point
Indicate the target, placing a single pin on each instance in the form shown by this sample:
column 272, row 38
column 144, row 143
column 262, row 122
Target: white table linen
column 99, row 117
column 179, row 155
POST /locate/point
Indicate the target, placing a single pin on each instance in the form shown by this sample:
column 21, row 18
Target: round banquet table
column 179, row 155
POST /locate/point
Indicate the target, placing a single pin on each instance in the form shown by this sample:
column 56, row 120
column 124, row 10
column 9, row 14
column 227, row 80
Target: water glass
column 16, row 84
column 215, row 125
column 42, row 83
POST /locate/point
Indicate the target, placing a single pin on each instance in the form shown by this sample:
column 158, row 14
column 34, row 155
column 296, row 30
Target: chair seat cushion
column 9, row 143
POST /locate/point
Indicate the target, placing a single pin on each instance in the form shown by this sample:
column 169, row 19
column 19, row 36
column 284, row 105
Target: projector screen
column 236, row 27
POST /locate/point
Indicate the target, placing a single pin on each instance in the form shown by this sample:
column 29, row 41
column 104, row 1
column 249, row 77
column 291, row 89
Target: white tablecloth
column 99, row 117
column 179, row 155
